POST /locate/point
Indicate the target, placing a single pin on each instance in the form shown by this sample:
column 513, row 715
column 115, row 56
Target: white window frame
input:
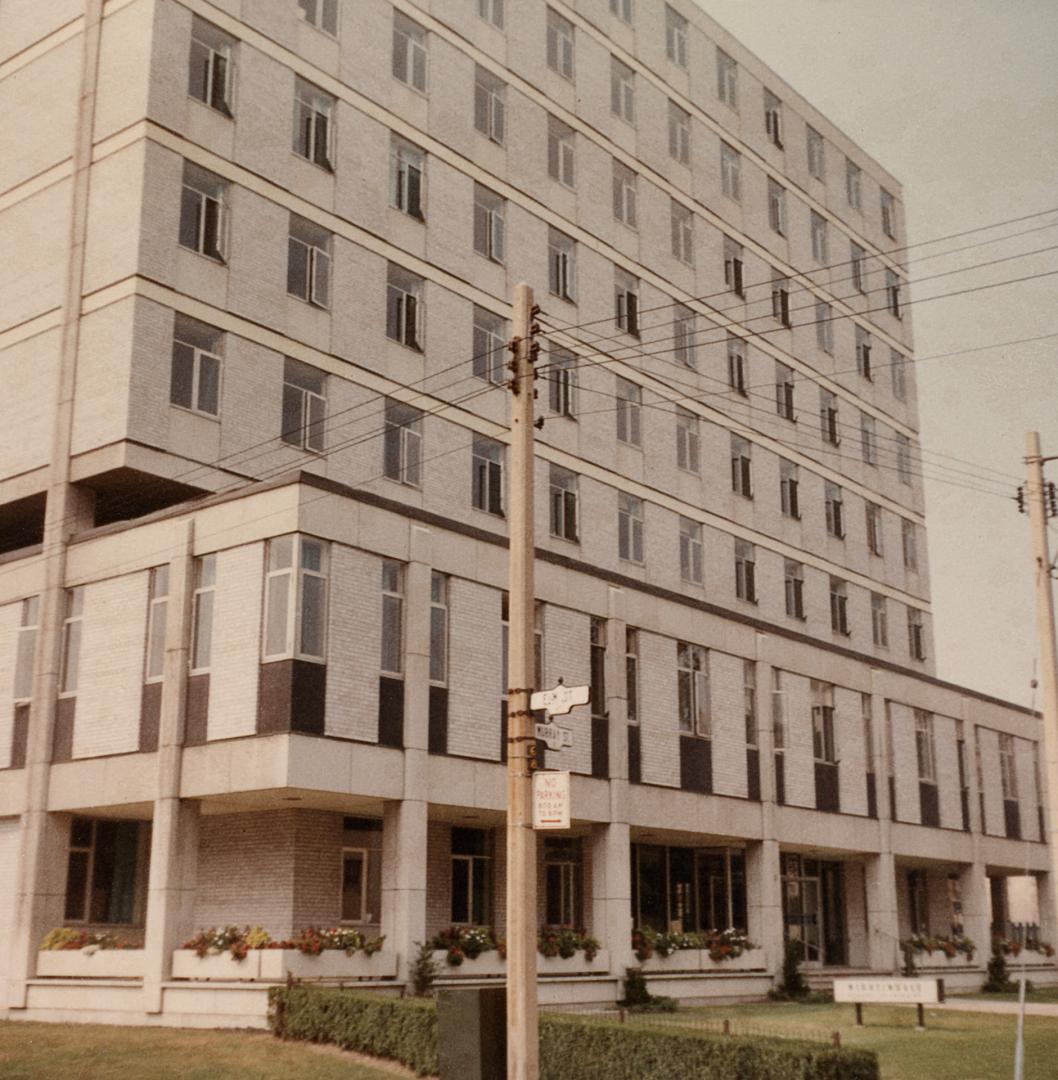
column 626, row 302
column 834, row 503
column 622, row 9
column 825, row 327
column 868, row 439
column 793, row 588
column 858, row 264
column 203, row 603
column 839, row 606
column 780, row 301
column 745, row 571
column 734, row 267
column 318, row 268
column 863, row 353
column 439, row 628
column 730, row 172
column 490, row 106
column 909, row 543
column 70, row 655
column 322, row 14
column 784, row 392
column 314, row 109
column 364, row 855
column 407, row 177
column 404, row 292
column 819, row 237
column 873, row 517
column 564, row 504
column 489, row 346
column 559, row 44
column 392, row 600
column 815, row 153
column 727, row 78
column 688, row 442
column 630, row 523
column 1008, row 766
column 693, row 697
column 853, row 185
column 410, row 53
column 773, row 118
column 157, row 610
column 487, row 475
column 675, row 37
column 691, row 551
column 682, row 233
column 879, row 620
column 490, row 224
column 622, row 91
column 777, row 207
column 217, row 81
column 679, row 134
column 916, row 634
column 205, row 211
column 296, row 573
column 199, row 358
column 310, row 430
column 888, row 204
column 828, row 417
column 25, row 649
column 562, row 379
column 562, row 265
column 789, row 489
column 632, row 674
column 402, row 443
column 561, row 151
column 736, row 365
column 624, row 194
column 741, row 467
column 629, row 412
column 925, row 750
column 892, row 294
column 492, row 11
column 898, row 368
column 684, row 330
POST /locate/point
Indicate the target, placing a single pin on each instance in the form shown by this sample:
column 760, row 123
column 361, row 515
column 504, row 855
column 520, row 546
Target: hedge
column 571, row 1048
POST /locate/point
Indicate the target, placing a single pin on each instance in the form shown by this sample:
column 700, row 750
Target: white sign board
column 555, row 737
column 551, row 800
column 887, row 991
column 561, row 699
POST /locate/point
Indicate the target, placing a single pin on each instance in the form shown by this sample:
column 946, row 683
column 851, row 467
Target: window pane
column 278, row 607
column 391, row 634
column 208, row 385
column 76, row 881
column 313, row 606
column 182, row 374
column 203, row 647
column 156, row 655
column 353, row 879
column 438, row 644
column 461, row 890
column 190, row 202
column 71, row 657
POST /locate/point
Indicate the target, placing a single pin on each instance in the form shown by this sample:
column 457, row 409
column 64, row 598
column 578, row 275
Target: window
column 490, row 226
column 784, row 391
column 627, row 302
column 313, row 124
column 868, row 732
column 835, row 510
column 898, row 369
column 195, row 376
column 745, row 571
column 209, row 69
column 560, row 146
column 688, row 443
column 824, row 748
column 559, row 44
column 402, row 443
column 563, row 504
column 682, row 233
column 839, row 606
column 927, row 764
column 853, row 184
column 773, row 118
column 692, row 668
column 29, row 623
column 868, row 439
column 622, row 91
column 489, row 345
column 675, row 37
column 819, row 237
column 815, row 152
column 392, row 653
column 323, row 14
column 309, row 262
column 778, row 711
column 858, row 262
column 908, row 542
column 629, row 409
column 824, row 327
column 492, row 12
column 304, row 405
column 777, row 207
column 863, row 353
column 888, row 214
column 736, row 364
column 104, row 872
column 538, row 643
column 874, row 528
column 490, row 110
column 471, row 878
column 903, row 458
column 622, row 9
column 562, row 875
column 690, row 551
column 157, row 608
column 879, row 620
column 1008, row 772
column 892, row 294
column 733, row 266
column 407, row 164
column 741, row 475
column 828, row 415
column 788, row 489
column 683, row 332
column 794, row 584
column 204, row 584
column 404, row 307
column 916, row 640
column 624, row 194
column 726, row 79
column 679, row 134
column 780, row 300
column 730, row 171
column 487, row 475
column 630, row 527
column 918, row 901
column 562, row 380
column 295, row 598
column 438, row 628
column 409, row 52
column 561, row 252
column 354, row 885
column 749, row 700
column 632, row 673
column 202, row 212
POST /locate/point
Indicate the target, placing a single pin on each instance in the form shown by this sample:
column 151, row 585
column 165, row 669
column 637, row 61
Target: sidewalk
column 956, row 1004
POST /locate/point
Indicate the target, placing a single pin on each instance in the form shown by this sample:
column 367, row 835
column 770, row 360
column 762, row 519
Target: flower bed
column 927, row 951
column 561, row 951
column 721, row 947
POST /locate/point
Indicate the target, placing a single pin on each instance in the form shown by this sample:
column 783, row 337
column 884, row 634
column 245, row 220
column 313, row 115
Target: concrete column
column 617, row 704
column 1047, row 907
column 611, row 891
column 883, row 929
column 404, row 879
column 764, row 900
column 976, row 909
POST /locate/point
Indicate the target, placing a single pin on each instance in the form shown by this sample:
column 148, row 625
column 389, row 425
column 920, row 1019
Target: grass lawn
column 954, row 1046
column 92, row 1052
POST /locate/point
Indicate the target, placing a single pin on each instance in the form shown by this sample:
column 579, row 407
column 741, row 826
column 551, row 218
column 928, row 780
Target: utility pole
column 523, row 1051
column 1035, row 496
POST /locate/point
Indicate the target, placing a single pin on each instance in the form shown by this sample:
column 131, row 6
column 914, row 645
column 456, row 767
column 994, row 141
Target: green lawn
column 954, row 1046
column 92, row 1052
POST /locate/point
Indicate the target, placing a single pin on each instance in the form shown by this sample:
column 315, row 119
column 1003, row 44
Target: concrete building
column 255, row 298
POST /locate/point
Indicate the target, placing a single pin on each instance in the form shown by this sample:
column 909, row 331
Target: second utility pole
column 523, row 1050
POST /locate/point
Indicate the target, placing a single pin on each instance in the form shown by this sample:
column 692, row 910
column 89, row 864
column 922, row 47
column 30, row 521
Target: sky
column 958, row 99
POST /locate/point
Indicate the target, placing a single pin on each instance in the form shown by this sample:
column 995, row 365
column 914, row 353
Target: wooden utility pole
column 522, row 1030
column 1037, row 506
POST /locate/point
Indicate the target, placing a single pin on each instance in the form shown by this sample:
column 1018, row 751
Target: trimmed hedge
column 571, row 1048
column 402, row 1030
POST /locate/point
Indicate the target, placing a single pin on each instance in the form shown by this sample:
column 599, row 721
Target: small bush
column 639, row 999
column 793, row 986
column 423, row 970
column 998, row 981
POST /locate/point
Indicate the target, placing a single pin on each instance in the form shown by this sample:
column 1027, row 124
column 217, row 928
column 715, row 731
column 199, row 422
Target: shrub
column 998, row 981
column 423, row 970
column 793, row 986
column 639, row 999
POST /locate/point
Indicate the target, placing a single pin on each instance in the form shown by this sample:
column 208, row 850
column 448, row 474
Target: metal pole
column 522, row 1037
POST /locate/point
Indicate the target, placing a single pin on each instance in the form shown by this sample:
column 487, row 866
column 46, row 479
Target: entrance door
column 835, row 943
column 814, row 909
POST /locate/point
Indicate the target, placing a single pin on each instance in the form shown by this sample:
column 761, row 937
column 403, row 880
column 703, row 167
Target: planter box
column 101, row 964
column 940, row 960
column 698, row 960
column 277, row 964
column 574, row 965
column 222, row 968
column 489, row 964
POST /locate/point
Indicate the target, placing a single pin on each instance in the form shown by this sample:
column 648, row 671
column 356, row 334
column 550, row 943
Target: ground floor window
column 361, row 895
column 688, row 889
column 563, row 877
column 106, row 871
column 471, row 877
column 918, row 901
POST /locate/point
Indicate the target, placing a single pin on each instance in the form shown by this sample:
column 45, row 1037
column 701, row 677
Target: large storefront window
column 106, row 871
column 688, row 889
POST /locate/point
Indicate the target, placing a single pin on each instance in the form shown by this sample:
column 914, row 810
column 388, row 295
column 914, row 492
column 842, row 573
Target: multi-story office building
column 258, row 262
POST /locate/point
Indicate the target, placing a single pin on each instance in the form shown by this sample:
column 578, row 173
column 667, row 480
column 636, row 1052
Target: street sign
column 555, row 737
column 551, row 800
column 561, row 699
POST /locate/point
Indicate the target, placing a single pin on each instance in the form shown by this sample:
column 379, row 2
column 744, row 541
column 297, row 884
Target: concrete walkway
column 1041, row 1008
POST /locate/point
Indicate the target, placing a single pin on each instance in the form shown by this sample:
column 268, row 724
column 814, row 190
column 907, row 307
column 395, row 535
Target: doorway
column 813, row 892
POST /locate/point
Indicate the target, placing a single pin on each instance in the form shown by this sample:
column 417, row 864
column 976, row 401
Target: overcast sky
column 959, row 100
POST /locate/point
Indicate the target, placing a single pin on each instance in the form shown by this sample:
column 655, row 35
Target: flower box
column 220, row 967
column 90, row 963
column 938, row 958
column 699, row 960
column 489, row 964
column 573, row 965
column 277, row 964
column 483, row 966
